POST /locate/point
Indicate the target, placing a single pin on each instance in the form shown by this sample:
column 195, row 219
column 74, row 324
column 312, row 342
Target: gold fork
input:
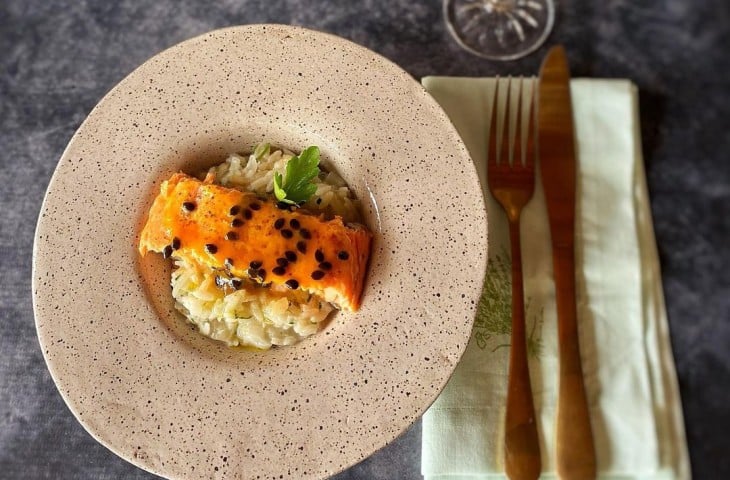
column 512, row 185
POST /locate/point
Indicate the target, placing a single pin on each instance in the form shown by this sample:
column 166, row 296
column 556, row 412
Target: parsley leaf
column 297, row 186
column 279, row 192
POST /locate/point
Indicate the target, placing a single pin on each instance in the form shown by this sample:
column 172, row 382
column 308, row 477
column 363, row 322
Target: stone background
column 58, row 58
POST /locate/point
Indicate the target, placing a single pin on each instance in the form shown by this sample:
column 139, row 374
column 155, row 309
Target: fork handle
column 522, row 448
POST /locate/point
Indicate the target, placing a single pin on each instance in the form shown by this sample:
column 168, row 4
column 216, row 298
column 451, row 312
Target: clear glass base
column 499, row 29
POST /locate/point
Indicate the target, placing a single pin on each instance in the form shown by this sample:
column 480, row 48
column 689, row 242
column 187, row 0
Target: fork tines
column 523, row 133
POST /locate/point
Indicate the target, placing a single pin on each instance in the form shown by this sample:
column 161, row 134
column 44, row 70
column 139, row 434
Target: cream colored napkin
column 629, row 371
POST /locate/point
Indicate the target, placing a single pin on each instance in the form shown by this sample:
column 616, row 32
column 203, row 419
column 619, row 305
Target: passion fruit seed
column 255, row 264
column 302, row 247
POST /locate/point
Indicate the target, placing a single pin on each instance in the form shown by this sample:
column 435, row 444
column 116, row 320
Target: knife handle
column 576, row 458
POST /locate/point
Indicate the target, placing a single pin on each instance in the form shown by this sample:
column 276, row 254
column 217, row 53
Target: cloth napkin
column 627, row 360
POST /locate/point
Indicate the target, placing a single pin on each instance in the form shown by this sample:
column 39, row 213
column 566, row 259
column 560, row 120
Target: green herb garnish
column 262, row 150
column 296, row 187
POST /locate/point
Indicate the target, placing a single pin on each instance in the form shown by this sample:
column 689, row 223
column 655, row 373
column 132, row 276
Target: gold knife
column 576, row 458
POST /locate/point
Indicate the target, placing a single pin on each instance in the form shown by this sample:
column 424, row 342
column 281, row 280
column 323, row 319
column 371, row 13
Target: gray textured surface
column 57, row 59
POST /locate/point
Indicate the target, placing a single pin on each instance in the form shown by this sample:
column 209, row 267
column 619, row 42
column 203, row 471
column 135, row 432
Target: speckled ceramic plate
column 157, row 393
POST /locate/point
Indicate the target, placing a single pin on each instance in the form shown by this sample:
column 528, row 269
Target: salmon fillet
column 251, row 237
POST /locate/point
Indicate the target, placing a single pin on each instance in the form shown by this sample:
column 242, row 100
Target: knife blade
column 575, row 451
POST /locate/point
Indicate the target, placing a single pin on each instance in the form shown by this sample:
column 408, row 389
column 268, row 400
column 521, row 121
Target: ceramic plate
column 157, row 393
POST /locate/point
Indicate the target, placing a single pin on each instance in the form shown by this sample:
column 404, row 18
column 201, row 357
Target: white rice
column 253, row 315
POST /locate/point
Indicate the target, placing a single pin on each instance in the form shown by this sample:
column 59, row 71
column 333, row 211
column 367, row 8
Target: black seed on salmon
column 319, row 256
column 261, row 274
column 286, row 233
column 278, row 271
column 236, row 222
column 317, row 274
column 291, row 256
column 279, row 224
column 252, row 272
column 175, row 243
column 325, row 266
column 343, row 255
column 247, row 214
column 255, row 264
column 210, row 248
column 293, row 284
column 305, row 234
column 236, row 283
column 319, row 200
column 188, row 206
column 167, row 251
column 294, row 223
column 235, row 209
column 228, row 262
column 231, row 236
column 302, row 247
column 282, row 205
column 282, row 262
column 254, row 206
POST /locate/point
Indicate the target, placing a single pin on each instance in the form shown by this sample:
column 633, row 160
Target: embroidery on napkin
column 493, row 323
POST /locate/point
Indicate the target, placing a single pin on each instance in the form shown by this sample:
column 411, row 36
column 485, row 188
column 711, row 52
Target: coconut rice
column 239, row 312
